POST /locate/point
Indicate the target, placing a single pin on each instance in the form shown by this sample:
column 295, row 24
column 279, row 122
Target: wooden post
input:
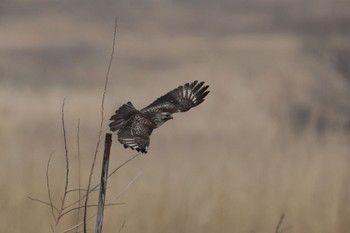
column 103, row 184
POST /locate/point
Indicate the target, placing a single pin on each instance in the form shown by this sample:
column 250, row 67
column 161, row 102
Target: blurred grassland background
column 272, row 137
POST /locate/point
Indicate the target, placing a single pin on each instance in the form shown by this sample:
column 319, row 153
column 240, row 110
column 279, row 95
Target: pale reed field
column 271, row 138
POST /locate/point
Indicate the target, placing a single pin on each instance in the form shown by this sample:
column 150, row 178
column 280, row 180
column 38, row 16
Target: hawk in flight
column 134, row 127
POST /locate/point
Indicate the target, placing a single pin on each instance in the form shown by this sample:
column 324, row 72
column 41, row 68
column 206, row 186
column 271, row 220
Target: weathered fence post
column 103, row 185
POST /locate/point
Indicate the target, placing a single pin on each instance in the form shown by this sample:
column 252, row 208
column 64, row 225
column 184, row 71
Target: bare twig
column 122, row 226
column 110, row 204
column 80, row 207
column 117, row 196
column 278, row 227
column 42, row 202
column 78, row 144
column 128, row 186
column 77, row 225
column 101, row 122
column 66, row 156
column 98, row 185
column 48, row 186
column 79, row 184
column 75, row 190
column 63, row 198
column 120, row 166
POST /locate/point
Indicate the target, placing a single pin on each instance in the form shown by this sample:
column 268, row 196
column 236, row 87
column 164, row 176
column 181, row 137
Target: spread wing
column 180, row 99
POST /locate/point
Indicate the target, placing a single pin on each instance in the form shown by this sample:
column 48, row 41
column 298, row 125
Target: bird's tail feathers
column 138, row 143
column 121, row 115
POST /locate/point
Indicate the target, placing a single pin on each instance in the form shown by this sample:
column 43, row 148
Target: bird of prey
column 134, row 127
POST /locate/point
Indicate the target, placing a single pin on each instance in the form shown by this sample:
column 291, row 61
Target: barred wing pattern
column 180, row 99
column 135, row 127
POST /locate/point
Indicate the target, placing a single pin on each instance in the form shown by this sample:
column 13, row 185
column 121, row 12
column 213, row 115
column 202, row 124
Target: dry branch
column 278, row 227
column 98, row 185
column 48, row 188
column 58, row 212
column 101, row 123
column 122, row 226
column 42, row 202
column 79, row 180
column 66, row 155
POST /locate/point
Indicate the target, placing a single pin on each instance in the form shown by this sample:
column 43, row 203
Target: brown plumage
column 134, row 127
